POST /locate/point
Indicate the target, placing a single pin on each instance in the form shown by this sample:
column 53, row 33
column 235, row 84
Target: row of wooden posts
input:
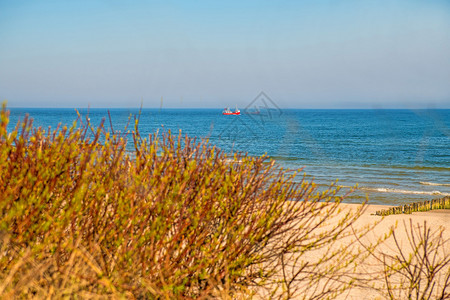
column 441, row 203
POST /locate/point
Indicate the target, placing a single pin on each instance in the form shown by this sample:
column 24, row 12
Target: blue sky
column 303, row 54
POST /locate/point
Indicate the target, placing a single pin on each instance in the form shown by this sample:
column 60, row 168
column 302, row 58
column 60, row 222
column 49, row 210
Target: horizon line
column 219, row 108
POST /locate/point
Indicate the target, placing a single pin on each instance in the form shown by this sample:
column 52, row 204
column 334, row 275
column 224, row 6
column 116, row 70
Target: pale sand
column 434, row 219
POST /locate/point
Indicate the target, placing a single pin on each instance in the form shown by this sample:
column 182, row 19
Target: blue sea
column 394, row 156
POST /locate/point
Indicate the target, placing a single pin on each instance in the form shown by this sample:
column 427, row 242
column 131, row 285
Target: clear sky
column 303, row 54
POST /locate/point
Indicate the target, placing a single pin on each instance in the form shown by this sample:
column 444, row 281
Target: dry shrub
column 175, row 218
column 409, row 263
column 421, row 268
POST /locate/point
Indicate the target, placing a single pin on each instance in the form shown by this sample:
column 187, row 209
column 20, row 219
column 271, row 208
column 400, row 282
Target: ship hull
column 232, row 113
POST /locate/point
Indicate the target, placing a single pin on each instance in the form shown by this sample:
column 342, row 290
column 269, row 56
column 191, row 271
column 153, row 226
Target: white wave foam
column 434, row 184
column 345, row 186
column 398, row 191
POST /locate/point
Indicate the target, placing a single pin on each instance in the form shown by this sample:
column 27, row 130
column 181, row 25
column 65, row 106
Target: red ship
column 227, row 111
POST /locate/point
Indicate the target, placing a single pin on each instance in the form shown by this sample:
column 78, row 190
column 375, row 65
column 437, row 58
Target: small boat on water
column 227, row 111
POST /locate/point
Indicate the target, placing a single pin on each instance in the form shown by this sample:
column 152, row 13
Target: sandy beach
column 434, row 219
column 368, row 270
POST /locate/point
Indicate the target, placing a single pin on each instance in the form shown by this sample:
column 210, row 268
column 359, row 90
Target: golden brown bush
column 175, row 218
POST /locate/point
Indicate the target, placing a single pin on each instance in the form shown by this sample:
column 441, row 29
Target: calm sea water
column 395, row 156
